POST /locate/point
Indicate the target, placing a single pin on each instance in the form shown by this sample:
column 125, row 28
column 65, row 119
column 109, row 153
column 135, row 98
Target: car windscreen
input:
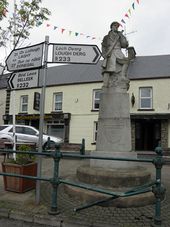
column 2, row 127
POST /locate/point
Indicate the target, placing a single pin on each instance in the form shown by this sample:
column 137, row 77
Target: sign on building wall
column 36, row 104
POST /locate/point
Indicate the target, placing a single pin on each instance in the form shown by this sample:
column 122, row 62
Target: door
column 56, row 130
column 147, row 134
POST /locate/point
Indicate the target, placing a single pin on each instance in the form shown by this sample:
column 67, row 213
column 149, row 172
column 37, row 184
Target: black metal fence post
column 82, row 149
column 158, row 189
column 55, row 181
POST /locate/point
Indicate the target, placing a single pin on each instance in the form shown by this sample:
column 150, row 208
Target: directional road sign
column 75, row 53
column 24, row 79
column 25, row 58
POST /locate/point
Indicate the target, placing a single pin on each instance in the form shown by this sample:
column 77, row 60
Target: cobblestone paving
column 119, row 217
column 95, row 216
column 109, row 216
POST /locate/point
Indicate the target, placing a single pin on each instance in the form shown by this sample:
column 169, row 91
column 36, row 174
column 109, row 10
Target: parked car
column 26, row 134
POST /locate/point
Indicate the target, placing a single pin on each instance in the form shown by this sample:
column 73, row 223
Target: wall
column 77, row 100
column 161, row 94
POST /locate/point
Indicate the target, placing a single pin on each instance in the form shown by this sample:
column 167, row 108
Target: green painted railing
column 155, row 186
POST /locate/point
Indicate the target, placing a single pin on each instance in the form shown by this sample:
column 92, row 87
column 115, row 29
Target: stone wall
column 133, row 134
column 164, row 134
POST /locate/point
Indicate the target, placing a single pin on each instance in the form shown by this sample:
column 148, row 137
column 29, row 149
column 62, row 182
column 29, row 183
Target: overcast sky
column 147, row 27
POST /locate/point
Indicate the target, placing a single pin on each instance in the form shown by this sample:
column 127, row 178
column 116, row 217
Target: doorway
column 147, row 134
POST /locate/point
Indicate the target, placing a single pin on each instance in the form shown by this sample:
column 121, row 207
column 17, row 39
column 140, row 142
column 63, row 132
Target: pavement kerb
column 5, row 212
column 45, row 220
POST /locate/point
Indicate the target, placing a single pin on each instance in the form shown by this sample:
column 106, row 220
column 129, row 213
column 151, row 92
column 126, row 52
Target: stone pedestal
column 114, row 131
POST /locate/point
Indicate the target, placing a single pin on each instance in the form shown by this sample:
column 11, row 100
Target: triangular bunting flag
column 126, row 15
column 133, row 5
column 48, row 25
column 70, row 32
column 76, row 33
column 62, row 30
column 123, row 21
column 129, row 11
column 55, row 27
column 137, row 1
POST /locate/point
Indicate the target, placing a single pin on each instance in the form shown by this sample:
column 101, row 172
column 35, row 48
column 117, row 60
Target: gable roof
column 150, row 67
column 142, row 67
column 73, row 73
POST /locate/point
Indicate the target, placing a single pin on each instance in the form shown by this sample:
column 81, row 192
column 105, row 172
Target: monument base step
column 116, row 180
column 86, row 196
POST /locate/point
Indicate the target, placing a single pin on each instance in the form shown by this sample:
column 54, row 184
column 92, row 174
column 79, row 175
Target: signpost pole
column 14, row 101
column 14, row 123
column 42, row 105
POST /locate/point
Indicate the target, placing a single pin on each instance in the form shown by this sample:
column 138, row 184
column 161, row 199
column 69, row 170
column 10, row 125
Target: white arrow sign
column 25, row 58
column 75, row 53
column 25, row 79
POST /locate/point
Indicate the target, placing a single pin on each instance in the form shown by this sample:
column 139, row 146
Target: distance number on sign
column 22, row 85
column 62, row 59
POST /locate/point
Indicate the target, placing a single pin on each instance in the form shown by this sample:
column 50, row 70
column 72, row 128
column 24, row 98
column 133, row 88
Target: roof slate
column 71, row 74
column 149, row 67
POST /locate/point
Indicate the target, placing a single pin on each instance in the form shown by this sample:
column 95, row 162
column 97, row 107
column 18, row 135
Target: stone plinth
column 114, row 131
column 114, row 180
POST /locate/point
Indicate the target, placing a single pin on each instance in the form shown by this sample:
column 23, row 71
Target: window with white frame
column 58, row 101
column 24, row 104
column 95, row 131
column 96, row 99
column 145, row 98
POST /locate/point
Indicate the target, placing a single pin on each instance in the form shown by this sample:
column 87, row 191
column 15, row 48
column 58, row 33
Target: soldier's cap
column 115, row 23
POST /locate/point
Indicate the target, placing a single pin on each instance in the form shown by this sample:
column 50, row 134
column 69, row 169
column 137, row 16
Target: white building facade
column 73, row 96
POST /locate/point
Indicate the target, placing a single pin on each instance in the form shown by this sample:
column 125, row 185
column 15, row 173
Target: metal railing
column 155, row 186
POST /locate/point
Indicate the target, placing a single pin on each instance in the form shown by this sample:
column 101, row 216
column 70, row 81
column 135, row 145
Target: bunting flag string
column 70, row 32
column 127, row 15
column 129, row 12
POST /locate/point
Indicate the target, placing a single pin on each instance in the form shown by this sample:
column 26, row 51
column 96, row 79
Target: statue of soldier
column 115, row 63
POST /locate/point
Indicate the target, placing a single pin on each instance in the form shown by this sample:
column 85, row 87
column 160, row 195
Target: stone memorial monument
column 114, row 115
column 114, row 131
